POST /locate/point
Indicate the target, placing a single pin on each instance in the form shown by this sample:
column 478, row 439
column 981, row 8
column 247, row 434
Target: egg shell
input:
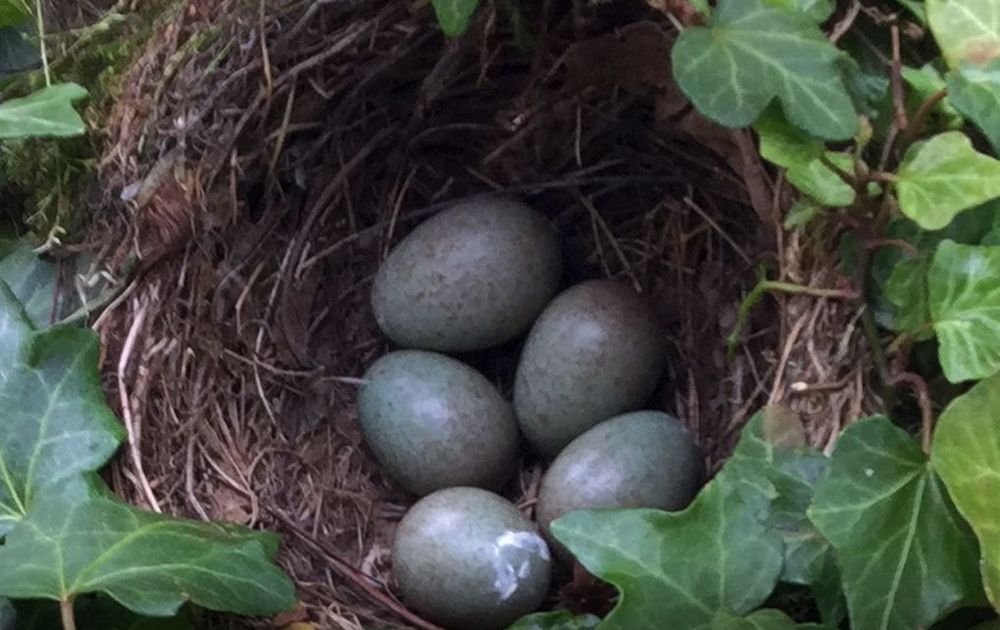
column 595, row 352
column 474, row 276
column 434, row 422
column 643, row 459
column 467, row 559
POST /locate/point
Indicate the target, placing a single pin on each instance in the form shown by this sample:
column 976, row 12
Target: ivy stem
column 920, row 119
column 66, row 611
column 919, row 387
column 763, row 287
column 41, row 43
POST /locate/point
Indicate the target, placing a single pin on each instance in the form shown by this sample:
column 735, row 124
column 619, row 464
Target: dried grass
column 272, row 152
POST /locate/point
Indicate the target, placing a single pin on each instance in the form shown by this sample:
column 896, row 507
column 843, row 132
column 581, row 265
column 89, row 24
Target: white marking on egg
column 507, row 577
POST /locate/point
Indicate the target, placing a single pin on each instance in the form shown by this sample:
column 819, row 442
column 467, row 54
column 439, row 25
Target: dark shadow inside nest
column 265, row 319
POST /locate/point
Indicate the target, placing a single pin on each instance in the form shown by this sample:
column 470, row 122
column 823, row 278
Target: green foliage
column 78, row 539
column 752, row 53
column 967, row 456
column 14, row 12
column 943, row 176
column 713, row 564
column 965, row 30
column 964, row 299
column 906, row 555
column 974, row 90
column 454, row 15
column 556, row 620
column 48, row 112
column 65, row 534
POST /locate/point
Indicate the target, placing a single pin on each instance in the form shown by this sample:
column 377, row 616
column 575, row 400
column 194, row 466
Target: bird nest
column 261, row 159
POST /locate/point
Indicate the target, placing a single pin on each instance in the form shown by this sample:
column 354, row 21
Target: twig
column 846, row 23
column 765, row 286
column 920, row 119
column 130, row 425
column 354, row 576
column 919, row 387
column 41, row 42
column 896, row 77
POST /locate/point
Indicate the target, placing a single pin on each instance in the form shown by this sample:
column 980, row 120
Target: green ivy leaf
column 975, row 91
column 750, row 54
column 685, row 567
column 964, row 297
column 46, row 113
column 906, row 555
column 768, row 619
column 454, row 15
column 32, row 280
column 716, row 556
column 556, row 620
column 916, row 9
column 802, row 212
column 966, row 454
column 817, row 10
column 18, row 51
column 56, row 421
column 820, row 182
column 78, row 539
column 14, row 12
column 965, row 30
column 773, row 458
column 943, row 176
column 783, row 144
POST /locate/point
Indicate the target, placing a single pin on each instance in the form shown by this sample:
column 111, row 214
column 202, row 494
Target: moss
column 52, row 178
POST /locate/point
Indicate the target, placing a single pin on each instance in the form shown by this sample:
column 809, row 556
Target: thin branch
column 920, row 119
column 896, row 76
column 41, row 42
column 919, row 387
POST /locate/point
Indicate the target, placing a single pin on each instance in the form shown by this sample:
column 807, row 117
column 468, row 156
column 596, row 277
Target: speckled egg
column 471, row 277
column 467, row 559
column 595, row 352
column 643, row 459
column 433, row 422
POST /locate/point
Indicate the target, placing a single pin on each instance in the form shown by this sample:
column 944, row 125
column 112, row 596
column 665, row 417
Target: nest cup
column 261, row 195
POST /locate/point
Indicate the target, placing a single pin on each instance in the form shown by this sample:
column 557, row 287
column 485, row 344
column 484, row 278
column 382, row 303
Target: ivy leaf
column 965, row 30
column 78, row 539
column 943, row 176
column 454, row 15
column 95, row 613
column 752, row 53
column 905, row 554
column 974, row 90
column 556, row 620
column 56, row 421
column 783, row 144
column 18, row 50
column 31, row 279
column 767, row 619
column 916, row 9
column 773, row 458
column 817, row 180
column 964, row 294
column 715, row 556
column 46, row 113
column 817, row 10
column 966, row 454
column 13, row 12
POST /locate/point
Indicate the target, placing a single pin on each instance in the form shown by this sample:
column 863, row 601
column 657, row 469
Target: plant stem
column 41, row 42
column 66, row 611
column 919, row 387
column 920, row 120
column 763, row 287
